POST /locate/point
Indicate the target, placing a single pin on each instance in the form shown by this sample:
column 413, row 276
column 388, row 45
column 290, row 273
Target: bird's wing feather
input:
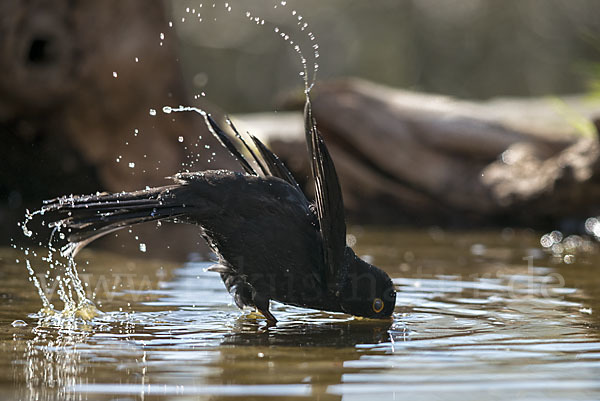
column 328, row 194
column 275, row 166
column 267, row 161
column 328, row 198
column 230, row 146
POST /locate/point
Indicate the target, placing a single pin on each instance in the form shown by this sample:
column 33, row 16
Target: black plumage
column 272, row 242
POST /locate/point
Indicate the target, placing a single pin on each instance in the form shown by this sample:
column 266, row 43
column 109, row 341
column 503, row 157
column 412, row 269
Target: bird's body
column 260, row 258
column 271, row 241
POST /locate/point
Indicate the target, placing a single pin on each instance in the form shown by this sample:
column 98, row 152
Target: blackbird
column 272, row 243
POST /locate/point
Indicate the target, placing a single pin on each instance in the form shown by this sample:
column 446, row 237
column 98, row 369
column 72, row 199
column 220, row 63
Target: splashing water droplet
column 115, row 74
column 131, row 164
column 167, row 110
column 152, row 112
column 180, row 139
column 142, row 247
column 162, row 36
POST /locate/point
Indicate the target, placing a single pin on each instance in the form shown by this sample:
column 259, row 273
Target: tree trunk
column 78, row 82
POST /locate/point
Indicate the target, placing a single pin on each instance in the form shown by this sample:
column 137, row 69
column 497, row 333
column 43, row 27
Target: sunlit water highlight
column 474, row 320
column 60, row 270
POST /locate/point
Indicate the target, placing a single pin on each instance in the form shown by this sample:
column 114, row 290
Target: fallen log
column 406, row 157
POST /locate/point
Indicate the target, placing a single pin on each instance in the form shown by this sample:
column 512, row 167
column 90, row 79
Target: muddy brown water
column 484, row 315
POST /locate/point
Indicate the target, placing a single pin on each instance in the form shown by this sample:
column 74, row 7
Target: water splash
column 62, row 270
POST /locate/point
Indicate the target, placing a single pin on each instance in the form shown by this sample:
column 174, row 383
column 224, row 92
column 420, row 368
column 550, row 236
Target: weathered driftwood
column 409, row 157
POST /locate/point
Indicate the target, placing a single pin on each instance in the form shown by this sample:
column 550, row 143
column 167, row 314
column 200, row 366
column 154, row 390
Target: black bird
column 272, row 242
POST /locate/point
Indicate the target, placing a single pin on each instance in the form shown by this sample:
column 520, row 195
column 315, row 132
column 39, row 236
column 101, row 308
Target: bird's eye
column 377, row 305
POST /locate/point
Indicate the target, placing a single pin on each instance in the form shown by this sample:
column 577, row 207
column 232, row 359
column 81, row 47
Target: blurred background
column 472, row 49
column 84, row 85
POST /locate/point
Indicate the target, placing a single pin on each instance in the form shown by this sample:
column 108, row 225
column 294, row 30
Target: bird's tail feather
column 82, row 219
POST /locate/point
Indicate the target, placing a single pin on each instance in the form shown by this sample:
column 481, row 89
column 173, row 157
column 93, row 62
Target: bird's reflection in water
column 305, row 357
column 341, row 333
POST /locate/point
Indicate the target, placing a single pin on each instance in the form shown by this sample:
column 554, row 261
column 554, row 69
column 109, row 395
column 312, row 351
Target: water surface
column 474, row 320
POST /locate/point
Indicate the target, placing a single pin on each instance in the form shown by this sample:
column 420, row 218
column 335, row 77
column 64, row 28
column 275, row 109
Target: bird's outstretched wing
column 275, row 166
column 328, row 194
column 328, row 198
column 268, row 163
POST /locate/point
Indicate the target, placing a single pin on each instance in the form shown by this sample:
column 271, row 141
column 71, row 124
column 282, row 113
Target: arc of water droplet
column 303, row 25
column 28, row 233
column 169, row 109
column 45, row 301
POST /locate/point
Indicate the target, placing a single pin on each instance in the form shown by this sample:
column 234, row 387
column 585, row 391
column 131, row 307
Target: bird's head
column 367, row 290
